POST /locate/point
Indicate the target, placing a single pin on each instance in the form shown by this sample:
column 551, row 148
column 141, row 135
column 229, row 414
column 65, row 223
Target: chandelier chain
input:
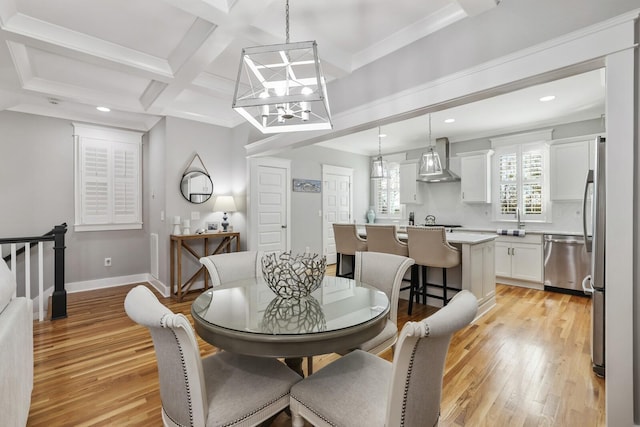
column 287, row 21
column 379, row 143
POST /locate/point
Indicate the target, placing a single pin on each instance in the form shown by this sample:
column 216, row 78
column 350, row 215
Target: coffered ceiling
column 145, row 59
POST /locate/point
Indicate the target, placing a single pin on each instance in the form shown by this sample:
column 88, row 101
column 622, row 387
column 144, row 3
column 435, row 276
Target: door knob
column 283, row 226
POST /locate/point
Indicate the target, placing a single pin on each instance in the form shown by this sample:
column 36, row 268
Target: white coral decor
column 293, row 276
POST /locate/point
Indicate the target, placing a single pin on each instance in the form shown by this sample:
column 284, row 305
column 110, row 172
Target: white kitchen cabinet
column 409, row 188
column 519, row 259
column 569, row 164
column 475, row 175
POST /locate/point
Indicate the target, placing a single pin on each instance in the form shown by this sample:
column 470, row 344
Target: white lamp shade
column 224, row 204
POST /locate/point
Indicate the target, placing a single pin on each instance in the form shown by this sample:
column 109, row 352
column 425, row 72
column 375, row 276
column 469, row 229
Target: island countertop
column 461, row 238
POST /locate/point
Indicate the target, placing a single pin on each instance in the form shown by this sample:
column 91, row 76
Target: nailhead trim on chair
column 408, row 377
column 323, row 418
column 244, row 417
column 163, row 323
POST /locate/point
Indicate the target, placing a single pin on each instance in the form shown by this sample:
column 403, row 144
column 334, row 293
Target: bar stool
column 348, row 242
column 428, row 246
column 384, row 238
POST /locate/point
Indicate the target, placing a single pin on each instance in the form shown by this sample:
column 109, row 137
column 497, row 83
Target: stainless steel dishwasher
column 566, row 263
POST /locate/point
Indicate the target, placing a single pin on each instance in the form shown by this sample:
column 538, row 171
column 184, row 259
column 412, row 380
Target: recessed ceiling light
column 450, row 120
column 547, row 98
column 103, row 109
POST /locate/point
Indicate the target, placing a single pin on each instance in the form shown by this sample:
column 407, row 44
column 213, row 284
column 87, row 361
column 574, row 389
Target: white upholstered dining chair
column 224, row 389
column 233, row 266
column 361, row 389
column 384, row 272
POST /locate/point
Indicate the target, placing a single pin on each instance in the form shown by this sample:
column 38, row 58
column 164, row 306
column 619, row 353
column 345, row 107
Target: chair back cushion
column 419, row 359
column 224, row 268
column 347, row 240
column 428, row 246
column 385, row 272
column 182, row 388
column 383, row 238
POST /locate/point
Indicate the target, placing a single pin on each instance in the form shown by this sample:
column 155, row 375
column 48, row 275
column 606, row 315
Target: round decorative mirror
column 196, row 186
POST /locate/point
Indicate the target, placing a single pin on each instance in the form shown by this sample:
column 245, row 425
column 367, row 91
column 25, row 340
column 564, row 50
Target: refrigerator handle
column 587, row 290
column 587, row 240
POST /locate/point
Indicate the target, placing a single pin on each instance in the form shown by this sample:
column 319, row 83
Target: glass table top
column 249, row 306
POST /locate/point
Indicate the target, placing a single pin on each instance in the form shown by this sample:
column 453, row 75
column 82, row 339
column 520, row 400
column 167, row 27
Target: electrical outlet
column 107, row 262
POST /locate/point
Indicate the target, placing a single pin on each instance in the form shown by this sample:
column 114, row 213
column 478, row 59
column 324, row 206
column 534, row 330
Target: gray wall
column 36, row 189
column 173, row 144
column 306, row 162
column 36, row 173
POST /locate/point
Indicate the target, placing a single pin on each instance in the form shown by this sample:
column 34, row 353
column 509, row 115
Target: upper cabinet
column 409, row 190
column 569, row 165
column 475, row 175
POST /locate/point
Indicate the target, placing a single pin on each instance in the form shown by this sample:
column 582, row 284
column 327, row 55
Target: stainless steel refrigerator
column 593, row 221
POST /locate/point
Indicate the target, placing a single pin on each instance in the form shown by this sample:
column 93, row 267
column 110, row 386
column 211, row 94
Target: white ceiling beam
column 447, row 15
column 50, row 38
column 29, row 29
column 213, row 32
column 476, row 7
column 84, row 95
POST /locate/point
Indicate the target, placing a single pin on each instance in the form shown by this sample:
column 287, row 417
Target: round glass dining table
column 247, row 317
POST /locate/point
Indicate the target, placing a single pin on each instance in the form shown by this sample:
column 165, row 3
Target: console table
column 186, row 242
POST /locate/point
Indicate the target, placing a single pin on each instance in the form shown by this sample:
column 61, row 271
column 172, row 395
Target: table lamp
column 224, row 204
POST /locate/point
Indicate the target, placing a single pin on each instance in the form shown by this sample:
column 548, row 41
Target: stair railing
column 59, row 296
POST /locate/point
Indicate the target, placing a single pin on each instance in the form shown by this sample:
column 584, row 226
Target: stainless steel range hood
column 442, row 148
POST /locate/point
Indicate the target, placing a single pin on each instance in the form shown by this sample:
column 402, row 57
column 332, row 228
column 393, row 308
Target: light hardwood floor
column 525, row 363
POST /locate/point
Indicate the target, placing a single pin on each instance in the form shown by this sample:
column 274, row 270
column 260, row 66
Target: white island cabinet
column 478, row 267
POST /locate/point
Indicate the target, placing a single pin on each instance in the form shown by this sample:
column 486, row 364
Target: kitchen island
column 476, row 272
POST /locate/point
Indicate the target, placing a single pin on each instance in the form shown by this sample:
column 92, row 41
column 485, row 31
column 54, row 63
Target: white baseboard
column 111, row 282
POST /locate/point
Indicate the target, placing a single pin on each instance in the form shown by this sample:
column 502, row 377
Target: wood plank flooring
column 525, row 363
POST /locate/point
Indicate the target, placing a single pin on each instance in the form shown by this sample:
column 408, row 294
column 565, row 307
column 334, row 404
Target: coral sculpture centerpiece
column 293, row 276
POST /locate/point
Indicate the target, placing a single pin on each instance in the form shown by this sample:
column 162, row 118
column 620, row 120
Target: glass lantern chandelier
column 280, row 88
column 430, row 161
column 379, row 168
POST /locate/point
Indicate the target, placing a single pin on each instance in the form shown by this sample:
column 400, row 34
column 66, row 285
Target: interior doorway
column 269, row 205
column 337, row 205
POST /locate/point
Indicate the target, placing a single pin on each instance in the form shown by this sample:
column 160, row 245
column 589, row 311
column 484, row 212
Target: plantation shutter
column 532, row 182
column 508, row 173
column 520, row 171
column 108, row 182
column 95, row 182
column 387, row 192
column 125, row 182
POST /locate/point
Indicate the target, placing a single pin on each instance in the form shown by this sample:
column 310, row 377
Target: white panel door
column 337, row 205
column 269, row 205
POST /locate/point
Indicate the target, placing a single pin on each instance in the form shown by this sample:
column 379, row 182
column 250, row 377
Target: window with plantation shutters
column 387, row 192
column 521, row 182
column 107, row 179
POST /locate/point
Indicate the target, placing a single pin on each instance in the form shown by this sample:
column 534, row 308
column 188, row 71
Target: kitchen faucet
column 520, row 223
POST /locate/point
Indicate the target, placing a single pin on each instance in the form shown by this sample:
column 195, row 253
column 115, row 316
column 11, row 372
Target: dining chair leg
column 338, row 258
column 444, row 287
column 425, row 273
column 309, row 365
